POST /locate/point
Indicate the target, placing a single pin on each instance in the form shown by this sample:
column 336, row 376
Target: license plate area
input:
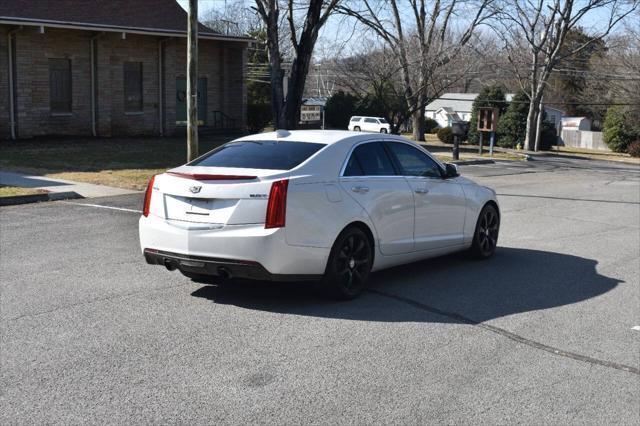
column 199, row 210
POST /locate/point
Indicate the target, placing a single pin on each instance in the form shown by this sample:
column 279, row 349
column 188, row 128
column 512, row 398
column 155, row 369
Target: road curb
column 38, row 198
column 472, row 162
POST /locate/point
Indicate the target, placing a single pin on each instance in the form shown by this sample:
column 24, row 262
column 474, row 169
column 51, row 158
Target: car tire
column 356, row 129
column 349, row 264
column 383, row 130
column 485, row 237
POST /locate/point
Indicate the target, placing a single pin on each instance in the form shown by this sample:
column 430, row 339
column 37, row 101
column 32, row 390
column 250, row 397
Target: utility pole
column 192, row 81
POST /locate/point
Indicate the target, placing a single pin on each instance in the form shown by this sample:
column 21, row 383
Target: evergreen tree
column 512, row 125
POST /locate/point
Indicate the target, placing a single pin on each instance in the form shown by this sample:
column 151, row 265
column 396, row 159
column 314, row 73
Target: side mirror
column 451, row 170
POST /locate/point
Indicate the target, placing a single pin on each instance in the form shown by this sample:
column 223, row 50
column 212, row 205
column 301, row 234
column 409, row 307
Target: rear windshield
column 272, row 155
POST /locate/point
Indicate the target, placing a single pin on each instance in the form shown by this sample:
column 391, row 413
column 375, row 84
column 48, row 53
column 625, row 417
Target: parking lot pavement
column 541, row 333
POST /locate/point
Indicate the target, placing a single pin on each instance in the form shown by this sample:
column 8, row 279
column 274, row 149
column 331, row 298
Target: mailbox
column 487, row 119
column 460, row 128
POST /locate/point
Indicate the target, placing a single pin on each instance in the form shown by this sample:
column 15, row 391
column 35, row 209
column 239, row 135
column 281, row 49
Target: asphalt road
column 541, row 333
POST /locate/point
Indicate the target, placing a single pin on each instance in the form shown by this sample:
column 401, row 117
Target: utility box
column 487, row 119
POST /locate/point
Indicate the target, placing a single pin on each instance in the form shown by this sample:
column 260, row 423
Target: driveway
column 542, row 333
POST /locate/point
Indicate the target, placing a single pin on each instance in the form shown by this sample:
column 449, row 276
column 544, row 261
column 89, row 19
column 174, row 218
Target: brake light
column 147, row 197
column 200, row 176
column 277, row 206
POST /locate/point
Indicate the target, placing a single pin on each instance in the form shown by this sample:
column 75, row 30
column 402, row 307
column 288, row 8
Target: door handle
column 360, row 189
column 422, row 191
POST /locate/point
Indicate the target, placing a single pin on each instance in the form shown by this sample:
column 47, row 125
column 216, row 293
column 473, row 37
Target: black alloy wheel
column 485, row 238
column 349, row 264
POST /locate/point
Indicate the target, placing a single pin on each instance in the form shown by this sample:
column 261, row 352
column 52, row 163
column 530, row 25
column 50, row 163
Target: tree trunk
column 417, row 120
column 538, row 126
column 276, row 74
column 532, row 125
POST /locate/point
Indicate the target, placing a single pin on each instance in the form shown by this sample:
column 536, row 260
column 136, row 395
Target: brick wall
column 33, row 51
column 113, row 52
column 221, row 63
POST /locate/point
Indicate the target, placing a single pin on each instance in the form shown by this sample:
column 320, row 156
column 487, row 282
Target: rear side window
column 414, row 162
column 370, row 120
column 355, row 118
column 271, row 155
column 369, row 159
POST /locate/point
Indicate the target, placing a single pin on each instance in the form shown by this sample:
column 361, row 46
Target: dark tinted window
column 259, row 155
column 413, row 162
column 370, row 120
column 369, row 159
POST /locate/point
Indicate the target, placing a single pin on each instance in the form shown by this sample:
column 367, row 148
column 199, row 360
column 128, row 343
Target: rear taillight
column 277, row 206
column 147, row 197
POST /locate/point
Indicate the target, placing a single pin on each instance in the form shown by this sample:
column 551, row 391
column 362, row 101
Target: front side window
column 133, row 86
column 382, row 120
column 413, row 162
column 60, row 85
column 271, row 155
column 369, row 159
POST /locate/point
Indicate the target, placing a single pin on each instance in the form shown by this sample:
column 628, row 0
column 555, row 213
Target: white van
column 369, row 124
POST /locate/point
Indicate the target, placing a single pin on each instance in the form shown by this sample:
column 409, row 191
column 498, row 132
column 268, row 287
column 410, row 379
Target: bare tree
column 304, row 22
column 424, row 40
column 236, row 19
column 534, row 32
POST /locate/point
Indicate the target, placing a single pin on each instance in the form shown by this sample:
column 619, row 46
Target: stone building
column 112, row 68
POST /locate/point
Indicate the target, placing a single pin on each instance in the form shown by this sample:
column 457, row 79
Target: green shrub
column 445, row 135
column 548, row 136
column 430, row 125
column 634, row 148
column 617, row 130
column 258, row 116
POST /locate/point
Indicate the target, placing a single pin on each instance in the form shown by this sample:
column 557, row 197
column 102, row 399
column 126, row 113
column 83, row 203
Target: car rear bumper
column 248, row 251
column 226, row 268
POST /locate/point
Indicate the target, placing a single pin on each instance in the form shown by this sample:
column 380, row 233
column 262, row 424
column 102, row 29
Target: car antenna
column 282, row 133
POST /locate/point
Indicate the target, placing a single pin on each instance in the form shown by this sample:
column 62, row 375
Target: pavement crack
column 89, row 302
column 508, row 334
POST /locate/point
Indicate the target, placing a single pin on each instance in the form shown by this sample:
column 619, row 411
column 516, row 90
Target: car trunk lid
column 216, row 195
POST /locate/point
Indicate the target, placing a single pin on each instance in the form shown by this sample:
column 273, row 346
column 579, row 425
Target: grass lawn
column 12, row 191
column 447, row 157
column 124, row 163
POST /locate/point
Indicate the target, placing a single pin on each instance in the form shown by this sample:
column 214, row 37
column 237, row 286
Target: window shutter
column 133, row 86
column 60, row 85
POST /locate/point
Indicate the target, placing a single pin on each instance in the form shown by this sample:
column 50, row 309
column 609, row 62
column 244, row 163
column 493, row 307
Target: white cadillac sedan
column 330, row 206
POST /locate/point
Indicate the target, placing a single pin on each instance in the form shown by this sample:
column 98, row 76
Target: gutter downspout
column 12, row 100
column 94, row 97
column 161, row 85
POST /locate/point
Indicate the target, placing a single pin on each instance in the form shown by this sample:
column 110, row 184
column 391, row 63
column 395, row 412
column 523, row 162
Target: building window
column 60, row 85
column 133, row 86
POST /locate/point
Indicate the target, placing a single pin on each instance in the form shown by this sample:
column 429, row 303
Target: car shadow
column 450, row 289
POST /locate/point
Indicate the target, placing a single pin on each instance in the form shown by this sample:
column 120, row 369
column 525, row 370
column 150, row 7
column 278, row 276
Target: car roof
column 327, row 137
